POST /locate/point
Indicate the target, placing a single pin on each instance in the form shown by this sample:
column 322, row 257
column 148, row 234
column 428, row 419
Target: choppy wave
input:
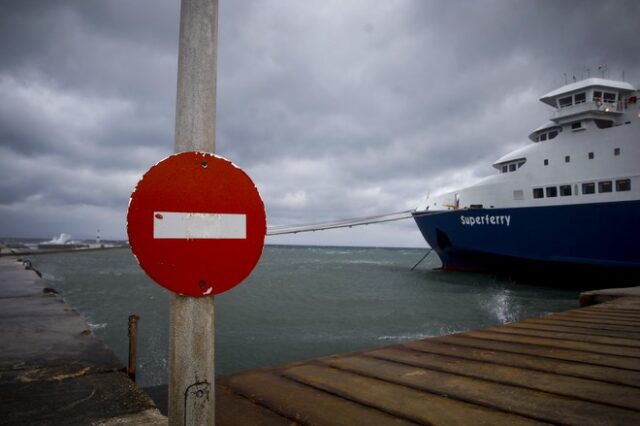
column 366, row 262
column 300, row 303
column 406, row 337
column 503, row 306
column 96, row 326
column 63, row 238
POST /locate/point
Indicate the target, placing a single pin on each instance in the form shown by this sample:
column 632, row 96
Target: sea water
column 299, row 303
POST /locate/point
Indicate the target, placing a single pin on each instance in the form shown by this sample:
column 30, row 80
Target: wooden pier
column 580, row 367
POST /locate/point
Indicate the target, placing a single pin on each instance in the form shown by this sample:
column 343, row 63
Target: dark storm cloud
column 336, row 109
column 87, row 104
column 93, row 46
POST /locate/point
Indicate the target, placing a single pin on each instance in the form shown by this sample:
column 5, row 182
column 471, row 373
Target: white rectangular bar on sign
column 199, row 225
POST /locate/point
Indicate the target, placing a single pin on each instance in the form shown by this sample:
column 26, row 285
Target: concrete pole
column 191, row 323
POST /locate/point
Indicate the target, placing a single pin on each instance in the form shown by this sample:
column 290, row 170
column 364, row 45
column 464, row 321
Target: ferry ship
column 570, row 197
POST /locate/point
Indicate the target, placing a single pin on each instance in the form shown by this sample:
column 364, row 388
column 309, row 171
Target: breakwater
column 53, row 369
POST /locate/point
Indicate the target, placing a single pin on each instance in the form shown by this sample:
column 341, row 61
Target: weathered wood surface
column 580, row 367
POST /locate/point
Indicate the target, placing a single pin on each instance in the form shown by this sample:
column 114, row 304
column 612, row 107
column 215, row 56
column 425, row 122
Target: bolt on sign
column 196, row 224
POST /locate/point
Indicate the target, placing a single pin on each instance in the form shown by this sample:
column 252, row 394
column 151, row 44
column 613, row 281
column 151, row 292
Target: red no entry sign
column 196, row 224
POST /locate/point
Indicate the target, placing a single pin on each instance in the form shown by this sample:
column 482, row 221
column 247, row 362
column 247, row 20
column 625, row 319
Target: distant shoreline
column 29, row 251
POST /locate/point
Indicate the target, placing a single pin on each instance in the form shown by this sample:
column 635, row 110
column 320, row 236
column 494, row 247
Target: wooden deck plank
column 625, row 302
column 421, row 407
column 577, row 330
column 624, row 313
column 599, row 310
column 614, row 308
column 239, row 411
column 529, row 403
column 556, row 343
column 607, row 315
column 567, row 335
column 532, row 362
column 592, row 320
column 305, row 404
column 625, row 297
column 584, row 324
column 589, row 390
column 549, row 352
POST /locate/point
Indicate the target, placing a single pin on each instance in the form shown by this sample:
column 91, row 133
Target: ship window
column 551, row 191
column 546, row 162
column 565, row 190
column 538, row 193
column 605, row 186
column 603, row 124
column 565, row 102
column 512, row 167
column 518, row 194
column 597, row 95
column 567, row 158
column 591, row 156
column 609, row 97
column 543, row 137
column 520, row 164
column 577, row 125
column 589, row 188
column 616, row 151
column 623, row 185
column 553, row 134
column 505, row 169
column 580, row 98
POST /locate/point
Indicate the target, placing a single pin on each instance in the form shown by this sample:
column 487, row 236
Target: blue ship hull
column 597, row 234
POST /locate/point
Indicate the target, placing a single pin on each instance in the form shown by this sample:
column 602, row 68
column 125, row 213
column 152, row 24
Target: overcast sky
column 336, row 109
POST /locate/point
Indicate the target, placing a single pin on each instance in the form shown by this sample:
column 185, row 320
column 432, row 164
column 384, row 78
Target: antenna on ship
column 98, row 237
column 602, row 69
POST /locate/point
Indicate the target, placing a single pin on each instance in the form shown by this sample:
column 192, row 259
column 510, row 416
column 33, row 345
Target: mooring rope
column 343, row 223
column 423, row 258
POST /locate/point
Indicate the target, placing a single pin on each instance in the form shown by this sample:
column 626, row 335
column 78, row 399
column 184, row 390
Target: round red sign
column 196, row 224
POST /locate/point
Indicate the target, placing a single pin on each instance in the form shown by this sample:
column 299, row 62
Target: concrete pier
column 53, row 370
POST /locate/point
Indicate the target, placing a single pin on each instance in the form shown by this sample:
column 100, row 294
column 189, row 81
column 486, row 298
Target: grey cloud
column 336, row 109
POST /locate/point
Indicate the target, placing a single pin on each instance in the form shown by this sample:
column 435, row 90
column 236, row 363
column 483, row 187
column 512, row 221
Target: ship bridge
column 595, row 97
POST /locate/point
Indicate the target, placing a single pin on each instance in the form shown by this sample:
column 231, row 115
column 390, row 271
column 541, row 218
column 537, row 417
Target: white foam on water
column 366, row 262
column 503, row 306
column 406, row 337
column 97, row 326
column 63, row 238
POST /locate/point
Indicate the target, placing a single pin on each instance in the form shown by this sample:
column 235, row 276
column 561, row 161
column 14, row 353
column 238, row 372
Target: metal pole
column 191, row 328
column 133, row 346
